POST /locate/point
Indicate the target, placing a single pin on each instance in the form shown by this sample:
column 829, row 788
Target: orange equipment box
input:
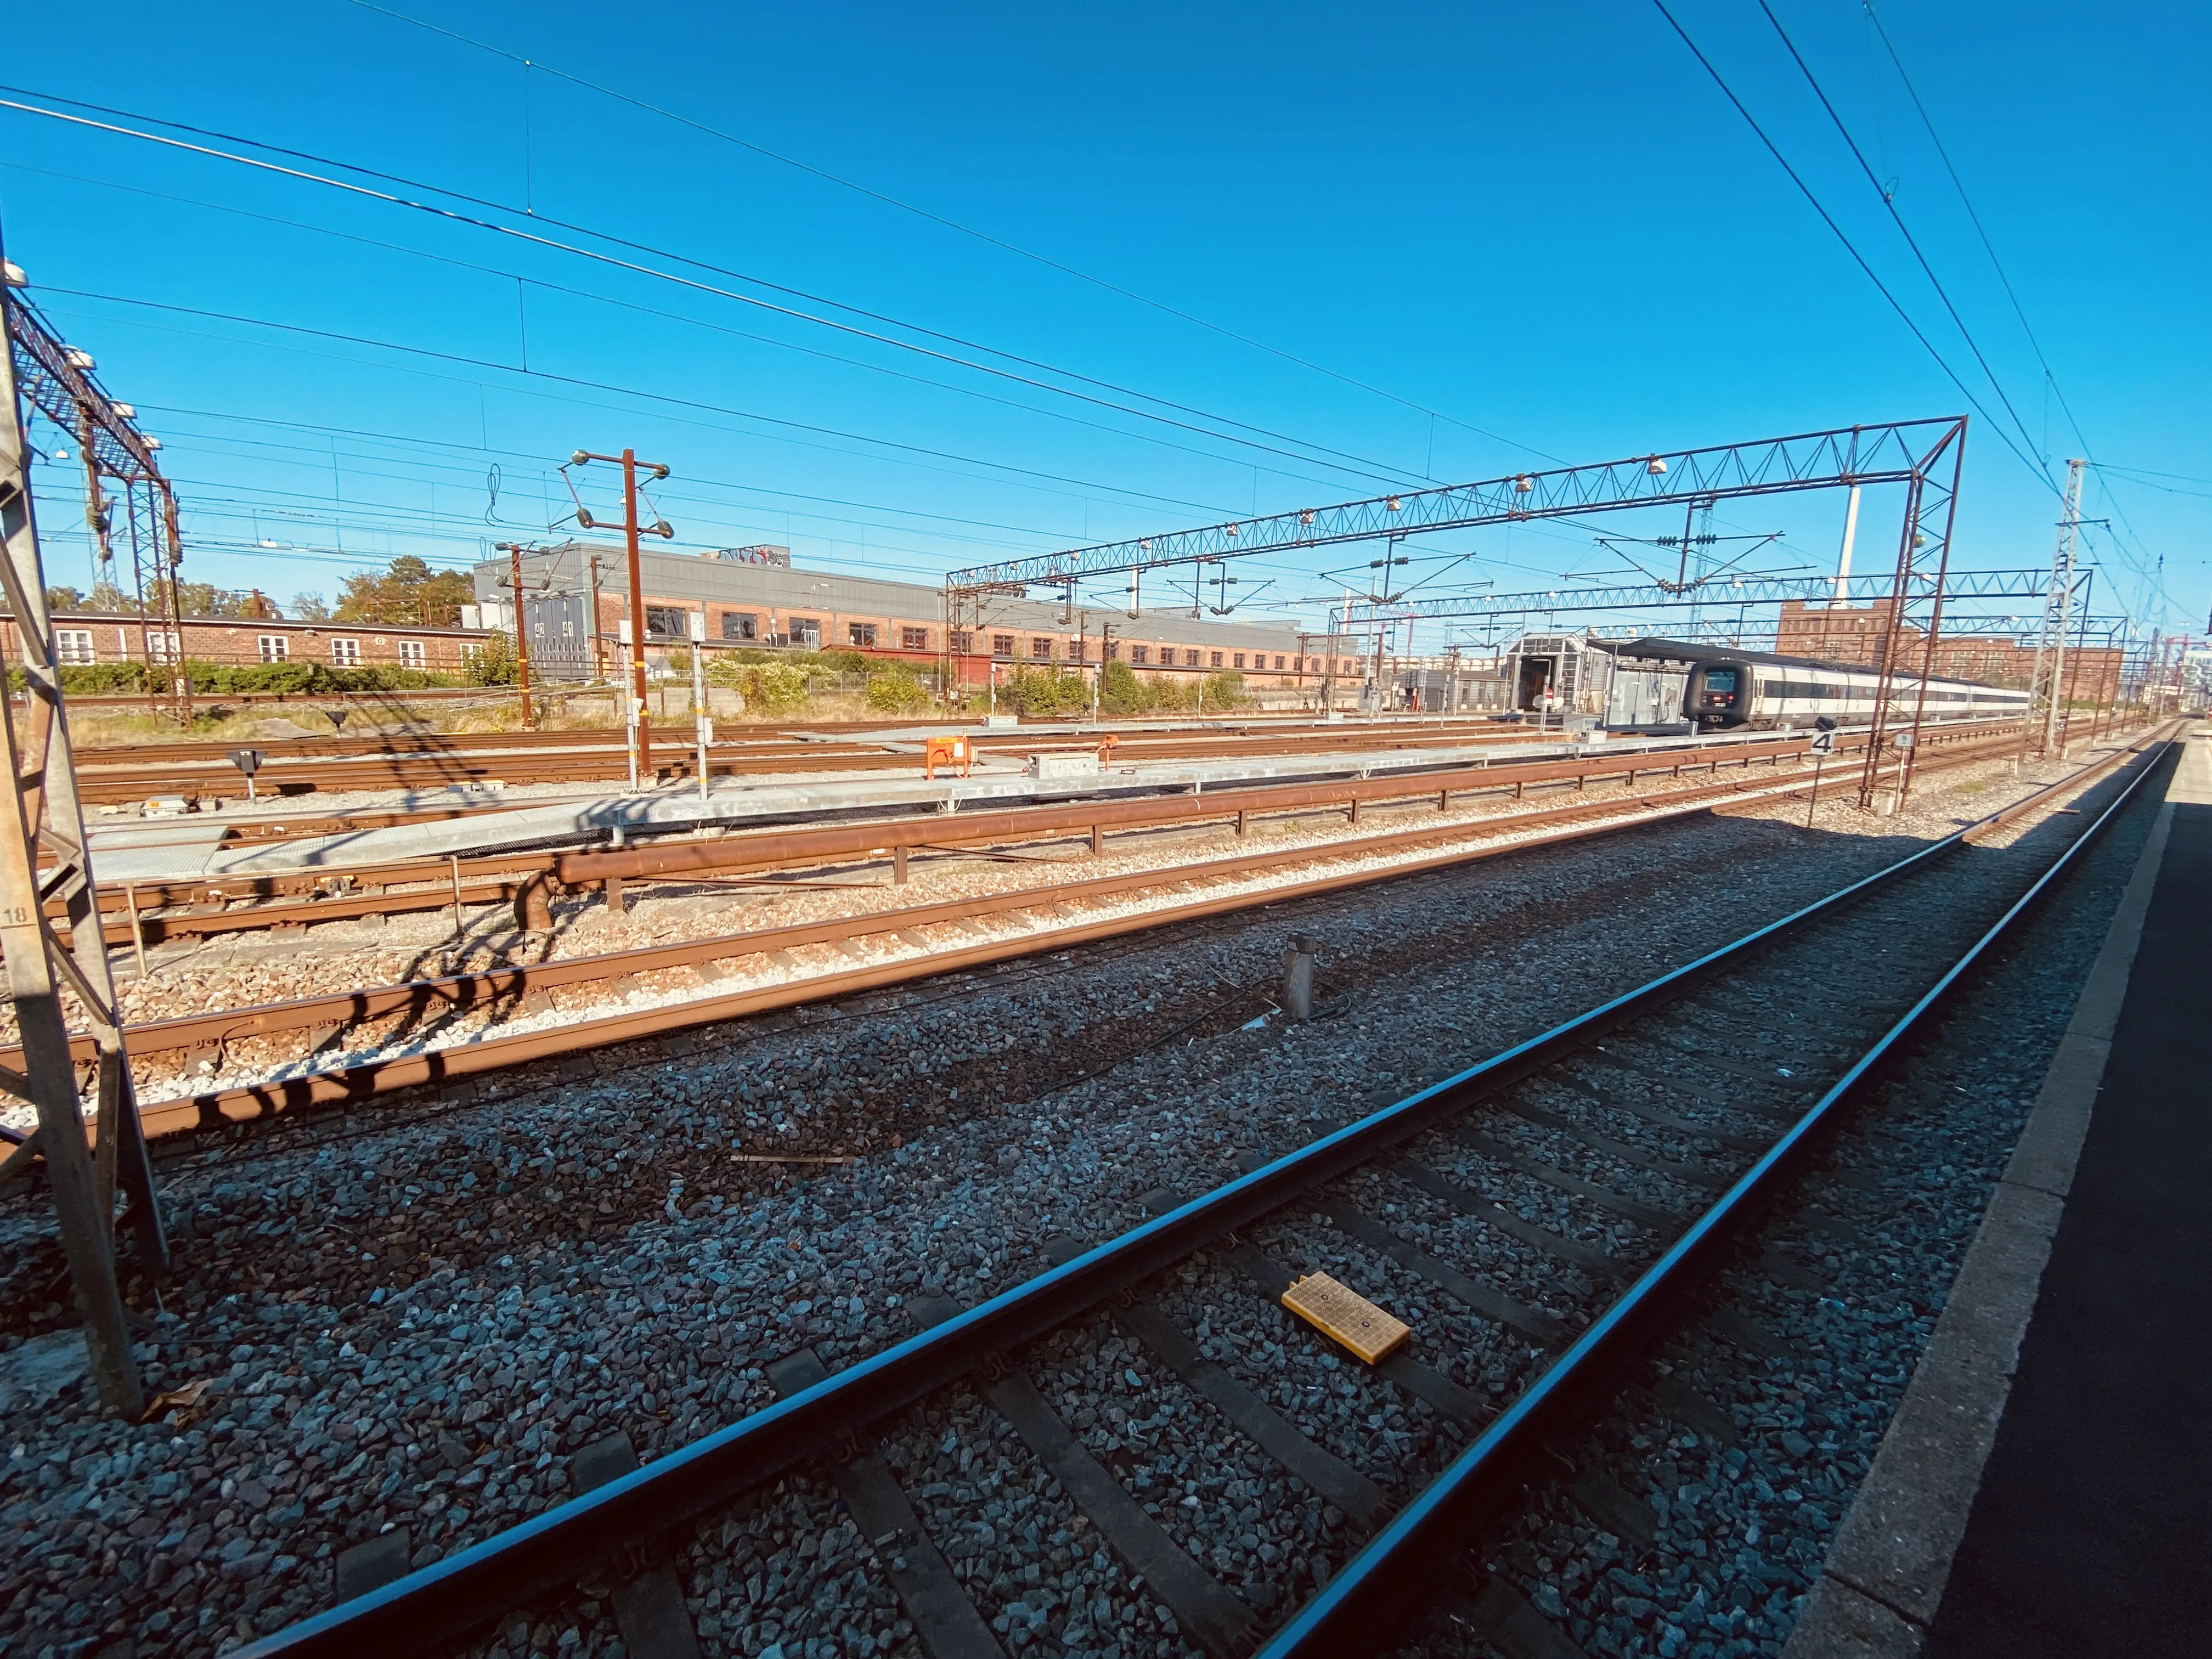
column 946, row 752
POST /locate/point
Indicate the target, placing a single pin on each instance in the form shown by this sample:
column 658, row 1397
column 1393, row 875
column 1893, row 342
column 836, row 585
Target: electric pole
column 521, row 633
column 46, row 816
column 2046, row 697
column 641, row 731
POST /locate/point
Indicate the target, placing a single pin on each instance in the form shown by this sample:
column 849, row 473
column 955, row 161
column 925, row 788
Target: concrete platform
column 2045, row 1489
column 125, row 853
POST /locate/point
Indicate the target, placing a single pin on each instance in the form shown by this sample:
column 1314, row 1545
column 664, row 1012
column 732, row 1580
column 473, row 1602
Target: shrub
column 777, row 688
column 898, row 691
column 493, row 663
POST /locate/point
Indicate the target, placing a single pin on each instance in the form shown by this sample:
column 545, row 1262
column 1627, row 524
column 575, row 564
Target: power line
column 589, row 384
column 1358, row 466
column 1988, row 247
column 600, row 298
column 1850, row 247
column 529, row 64
column 1889, row 202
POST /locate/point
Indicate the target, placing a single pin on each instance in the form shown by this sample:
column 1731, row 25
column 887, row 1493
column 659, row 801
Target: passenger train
column 1752, row 689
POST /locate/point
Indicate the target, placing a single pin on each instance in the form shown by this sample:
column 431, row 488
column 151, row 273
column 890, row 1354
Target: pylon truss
column 56, row 380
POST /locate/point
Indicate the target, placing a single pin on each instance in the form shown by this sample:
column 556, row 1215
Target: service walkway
column 2084, row 1487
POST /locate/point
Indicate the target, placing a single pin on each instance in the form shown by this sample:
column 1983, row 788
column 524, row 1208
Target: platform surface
column 2091, row 1534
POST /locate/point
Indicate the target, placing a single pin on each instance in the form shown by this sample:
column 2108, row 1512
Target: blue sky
column 1510, row 233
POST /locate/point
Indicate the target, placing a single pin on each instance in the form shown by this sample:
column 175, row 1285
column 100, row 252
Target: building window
column 1140, row 653
column 666, row 622
column 913, row 639
column 410, row 654
column 1002, row 645
column 740, row 625
column 163, row 645
column 1239, row 663
column 806, row 631
column 1113, row 650
column 1079, row 651
column 1279, row 665
column 963, row 642
column 74, row 645
column 1217, row 659
column 345, row 654
column 1190, row 660
column 861, row 634
column 1041, row 649
column 275, row 648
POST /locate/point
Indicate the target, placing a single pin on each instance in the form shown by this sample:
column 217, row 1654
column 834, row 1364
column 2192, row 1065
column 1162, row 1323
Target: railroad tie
column 1605, row 1198
column 1619, row 1151
column 1665, row 1120
column 649, row 1608
column 944, row 1617
column 1505, row 1619
column 1485, row 1298
column 372, row 1565
column 1208, row 1614
column 1585, row 1256
column 1327, row 1474
column 1424, row 1382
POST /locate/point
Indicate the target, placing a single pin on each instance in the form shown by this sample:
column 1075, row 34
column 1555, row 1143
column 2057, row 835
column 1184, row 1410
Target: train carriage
column 1763, row 692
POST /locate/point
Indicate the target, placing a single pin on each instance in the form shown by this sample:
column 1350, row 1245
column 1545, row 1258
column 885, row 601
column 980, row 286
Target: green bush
column 898, row 691
column 1044, row 693
column 221, row 679
column 493, row 663
column 777, row 688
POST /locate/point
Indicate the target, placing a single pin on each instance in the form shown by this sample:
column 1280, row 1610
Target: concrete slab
column 751, row 803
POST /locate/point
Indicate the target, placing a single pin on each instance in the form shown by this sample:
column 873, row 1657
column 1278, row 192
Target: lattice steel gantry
column 46, row 973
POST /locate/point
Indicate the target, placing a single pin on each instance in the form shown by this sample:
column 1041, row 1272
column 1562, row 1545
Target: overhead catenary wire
column 1850, row 247
column 597, row 298
column 463, row 360
column 540, row 67
column 1889, row 202
column 1351, row 464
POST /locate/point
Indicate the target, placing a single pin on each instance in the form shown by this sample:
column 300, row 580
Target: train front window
column 1720, row 680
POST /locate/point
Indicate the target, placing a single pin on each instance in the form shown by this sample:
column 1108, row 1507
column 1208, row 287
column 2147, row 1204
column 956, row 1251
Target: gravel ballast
column 414, row 1323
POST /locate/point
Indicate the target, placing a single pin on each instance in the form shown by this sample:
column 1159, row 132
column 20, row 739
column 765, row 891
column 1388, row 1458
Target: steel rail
column 1368, row 1598
column 792, row 848
column 435, row 1605
column 378, row 1076
column 458, row 994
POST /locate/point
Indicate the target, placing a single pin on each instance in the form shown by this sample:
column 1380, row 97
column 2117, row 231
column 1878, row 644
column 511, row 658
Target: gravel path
column 413, row 1322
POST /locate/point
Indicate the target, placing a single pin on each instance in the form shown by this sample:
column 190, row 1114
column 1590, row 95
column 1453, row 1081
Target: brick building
column 1854, row 634
column 87, row 638
column 754, row 598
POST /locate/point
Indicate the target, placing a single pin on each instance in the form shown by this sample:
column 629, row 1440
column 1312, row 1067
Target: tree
column 65, row 599
column 407, row 593
column 311, row 607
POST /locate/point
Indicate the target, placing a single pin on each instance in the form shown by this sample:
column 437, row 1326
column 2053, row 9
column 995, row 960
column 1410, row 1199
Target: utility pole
column 47, row 816
column 640, row 732
column 2047, row 697
column 521, row 633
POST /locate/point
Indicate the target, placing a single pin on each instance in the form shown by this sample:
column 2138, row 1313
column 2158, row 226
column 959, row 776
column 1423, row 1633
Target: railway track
column 377, row 1041
column 1622, row 1153
column 209, row 907
column 335, row 764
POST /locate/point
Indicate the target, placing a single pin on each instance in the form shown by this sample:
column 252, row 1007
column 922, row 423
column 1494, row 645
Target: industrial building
column 575, row 600
column 83, row 638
